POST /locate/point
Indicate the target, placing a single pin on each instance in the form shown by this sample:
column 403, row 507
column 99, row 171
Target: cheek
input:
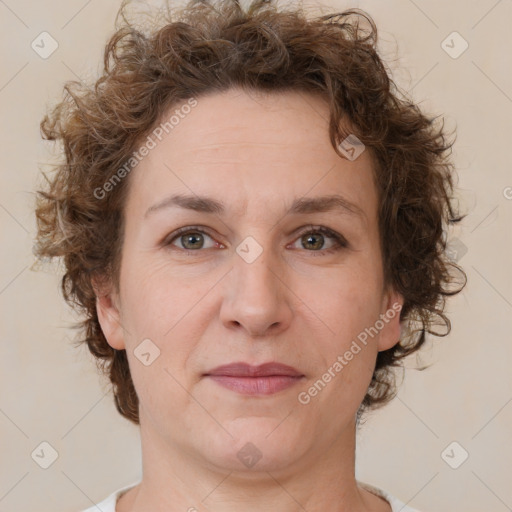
column 349, row 299
column 346, row 356
column 348, row 305
column 163, row 314
column 156, row 296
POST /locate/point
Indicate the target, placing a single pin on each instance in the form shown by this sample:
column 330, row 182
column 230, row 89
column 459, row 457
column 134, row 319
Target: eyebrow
column 303, row 205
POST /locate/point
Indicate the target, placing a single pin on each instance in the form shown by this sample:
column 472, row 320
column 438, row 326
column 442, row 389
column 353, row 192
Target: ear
column 108, row 310
column 390, row 315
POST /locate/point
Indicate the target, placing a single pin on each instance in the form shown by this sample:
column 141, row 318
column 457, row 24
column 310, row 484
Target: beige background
column 50, row 391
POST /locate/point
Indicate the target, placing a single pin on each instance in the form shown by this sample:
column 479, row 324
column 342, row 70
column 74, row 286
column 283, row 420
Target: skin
column 297, row 304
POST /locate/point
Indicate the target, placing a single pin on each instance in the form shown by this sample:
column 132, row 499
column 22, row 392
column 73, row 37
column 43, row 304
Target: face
column 265, row 276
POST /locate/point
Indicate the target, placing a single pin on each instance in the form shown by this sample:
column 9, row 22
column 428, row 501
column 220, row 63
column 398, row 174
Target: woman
column 252, row 221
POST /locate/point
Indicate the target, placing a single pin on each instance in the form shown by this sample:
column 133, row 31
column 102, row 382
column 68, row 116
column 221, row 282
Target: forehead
column 230, row 124
column 252, row 147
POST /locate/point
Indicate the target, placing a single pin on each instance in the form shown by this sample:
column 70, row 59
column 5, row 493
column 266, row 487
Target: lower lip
column 256, row 385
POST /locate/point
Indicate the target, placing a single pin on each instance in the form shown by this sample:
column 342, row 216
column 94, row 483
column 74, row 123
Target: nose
column 256, row 297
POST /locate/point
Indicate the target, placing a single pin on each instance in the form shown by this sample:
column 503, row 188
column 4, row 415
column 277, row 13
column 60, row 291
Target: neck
column 177, row 479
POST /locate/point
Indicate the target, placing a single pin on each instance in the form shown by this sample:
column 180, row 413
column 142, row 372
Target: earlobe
column 110, row 320
column 392, row 330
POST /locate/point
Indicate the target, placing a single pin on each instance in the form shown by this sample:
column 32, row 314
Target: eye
column 314, row 239
column 191, row 239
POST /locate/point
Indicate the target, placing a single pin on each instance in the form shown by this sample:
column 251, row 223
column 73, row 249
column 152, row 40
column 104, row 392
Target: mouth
column 265, row 379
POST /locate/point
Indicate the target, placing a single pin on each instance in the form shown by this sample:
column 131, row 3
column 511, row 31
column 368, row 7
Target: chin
column 258, row 444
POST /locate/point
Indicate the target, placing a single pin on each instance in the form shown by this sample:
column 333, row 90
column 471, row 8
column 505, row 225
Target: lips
column 263, row 370
column 265, row 379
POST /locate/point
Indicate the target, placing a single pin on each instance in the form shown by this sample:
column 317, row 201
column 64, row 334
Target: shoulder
column 109, row 503
column 396, row 504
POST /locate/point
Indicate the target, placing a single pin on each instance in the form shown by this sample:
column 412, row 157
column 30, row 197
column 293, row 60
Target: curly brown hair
column 204, row 48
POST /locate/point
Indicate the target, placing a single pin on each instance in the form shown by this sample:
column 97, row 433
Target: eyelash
column 339, row 241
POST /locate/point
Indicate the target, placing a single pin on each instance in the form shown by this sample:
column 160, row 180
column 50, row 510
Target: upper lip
column 247, row 370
